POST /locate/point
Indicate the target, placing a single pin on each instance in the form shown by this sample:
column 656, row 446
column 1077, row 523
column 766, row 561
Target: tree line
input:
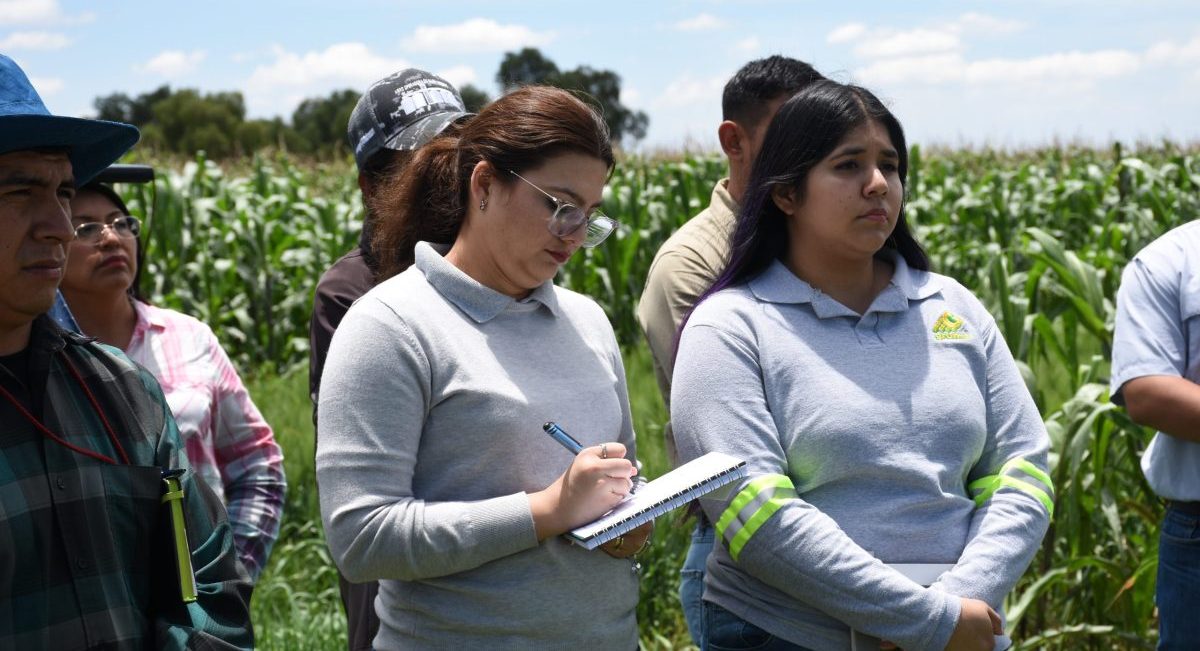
column 186, row 120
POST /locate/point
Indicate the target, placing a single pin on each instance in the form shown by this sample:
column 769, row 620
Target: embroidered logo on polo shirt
column 950, row 326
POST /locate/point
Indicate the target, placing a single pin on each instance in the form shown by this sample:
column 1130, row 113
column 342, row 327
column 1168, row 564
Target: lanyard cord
column 58, row 439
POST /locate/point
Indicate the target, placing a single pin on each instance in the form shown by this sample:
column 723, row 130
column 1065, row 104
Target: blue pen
column 562, row 437
column 559, row 434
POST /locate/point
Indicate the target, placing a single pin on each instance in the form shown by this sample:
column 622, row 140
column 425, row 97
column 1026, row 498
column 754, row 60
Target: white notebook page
column 674, row 489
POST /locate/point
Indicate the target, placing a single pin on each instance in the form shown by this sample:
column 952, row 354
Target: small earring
column 483, row 204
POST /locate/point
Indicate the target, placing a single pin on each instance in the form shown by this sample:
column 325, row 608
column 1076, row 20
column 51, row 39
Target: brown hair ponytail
column 516, row 132
column 423, row 203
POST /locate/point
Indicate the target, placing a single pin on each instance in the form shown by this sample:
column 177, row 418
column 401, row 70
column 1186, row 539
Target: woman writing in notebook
column 435, row 475
column 880, row 411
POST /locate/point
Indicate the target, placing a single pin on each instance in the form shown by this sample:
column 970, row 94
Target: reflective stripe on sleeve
column 1020, row 475
column 753, row 506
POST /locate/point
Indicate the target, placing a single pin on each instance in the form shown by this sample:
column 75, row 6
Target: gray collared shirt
column 431, row 411
column 880, row 421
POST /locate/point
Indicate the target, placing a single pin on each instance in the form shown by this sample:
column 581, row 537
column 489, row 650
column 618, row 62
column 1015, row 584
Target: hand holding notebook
column 674, row 489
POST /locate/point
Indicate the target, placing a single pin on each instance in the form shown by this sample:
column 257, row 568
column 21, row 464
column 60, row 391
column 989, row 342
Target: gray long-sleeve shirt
column 431, row 407
column 880, row 422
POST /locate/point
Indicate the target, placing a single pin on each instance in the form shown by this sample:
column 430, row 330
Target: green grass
column 296, row 604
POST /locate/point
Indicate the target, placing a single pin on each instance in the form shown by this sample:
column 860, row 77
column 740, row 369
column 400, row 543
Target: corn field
column 1040, row 237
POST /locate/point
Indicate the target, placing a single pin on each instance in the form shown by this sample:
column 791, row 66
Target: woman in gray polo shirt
column 882, row 416
column 435, row 475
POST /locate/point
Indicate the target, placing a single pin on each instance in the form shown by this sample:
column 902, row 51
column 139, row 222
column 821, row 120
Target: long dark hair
column 807, row 128
column 106, row 191
column 516, row 132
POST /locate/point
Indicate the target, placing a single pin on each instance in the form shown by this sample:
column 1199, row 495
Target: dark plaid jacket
column 85, row 556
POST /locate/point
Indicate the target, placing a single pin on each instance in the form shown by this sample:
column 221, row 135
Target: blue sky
column 1009, row 73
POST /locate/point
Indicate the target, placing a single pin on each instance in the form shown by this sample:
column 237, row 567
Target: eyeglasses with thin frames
column 568, row 218
column 126, row 227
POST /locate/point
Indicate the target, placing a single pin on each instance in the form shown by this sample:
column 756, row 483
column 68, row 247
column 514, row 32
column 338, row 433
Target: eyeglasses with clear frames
column 126, row 227
column 568, row 218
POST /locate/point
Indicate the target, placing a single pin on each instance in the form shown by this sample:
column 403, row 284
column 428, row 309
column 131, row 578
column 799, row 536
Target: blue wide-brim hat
column 25, row 123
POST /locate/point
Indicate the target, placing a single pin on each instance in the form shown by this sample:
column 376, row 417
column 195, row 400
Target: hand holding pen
column 598, row 478
column 632, row 542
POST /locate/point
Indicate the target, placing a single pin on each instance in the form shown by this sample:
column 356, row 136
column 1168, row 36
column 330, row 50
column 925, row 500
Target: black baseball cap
column 402, row 111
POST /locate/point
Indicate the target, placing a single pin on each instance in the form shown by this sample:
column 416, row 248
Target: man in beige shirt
column 689, row 262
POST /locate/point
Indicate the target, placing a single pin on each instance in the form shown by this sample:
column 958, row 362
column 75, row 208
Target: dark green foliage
column 186, row 121
column 601, row 88
column 474, row 98
column 190, row 121
column 604, row 86
column 138, row 111
column 320, row 122
column 524, row 68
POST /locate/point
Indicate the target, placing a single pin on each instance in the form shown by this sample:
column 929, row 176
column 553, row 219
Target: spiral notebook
column 697, row 477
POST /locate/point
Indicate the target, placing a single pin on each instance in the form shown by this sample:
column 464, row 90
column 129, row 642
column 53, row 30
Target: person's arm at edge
column 1149, row 346
column 367, row 454
column 1169, row 404
column 250, row 462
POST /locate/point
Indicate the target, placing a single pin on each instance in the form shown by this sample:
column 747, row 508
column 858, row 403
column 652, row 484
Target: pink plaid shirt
column 229, row 444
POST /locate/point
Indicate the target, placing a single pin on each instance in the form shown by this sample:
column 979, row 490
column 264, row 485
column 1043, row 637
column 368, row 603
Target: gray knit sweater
column 431, row 408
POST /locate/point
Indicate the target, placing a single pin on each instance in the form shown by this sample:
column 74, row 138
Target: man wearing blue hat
column 107, row 541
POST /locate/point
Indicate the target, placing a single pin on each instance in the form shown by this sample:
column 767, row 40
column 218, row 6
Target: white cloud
column 15, row 12
column 458, row 75
column 474, row 35
column 1171, row 53
column 847, row 32
column 937, row 56
column 276, row 88
column 973, row 22
column 933, row 56
column 700, row 23
column 345, row 63
column 630, row 97
column 908, row 43
column 46, row 85
column 947, row 68
column 931, row 69
column 34, row 41
column 173, row 63
column 27, row 12
column 1065, row 66
column 688, row 91
column 751, row 44
column 883, row 42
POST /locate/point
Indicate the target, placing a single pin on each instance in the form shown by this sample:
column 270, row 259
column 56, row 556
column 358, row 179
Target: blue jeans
column 728, row 632
column 1178, row 590
column 691, row 580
